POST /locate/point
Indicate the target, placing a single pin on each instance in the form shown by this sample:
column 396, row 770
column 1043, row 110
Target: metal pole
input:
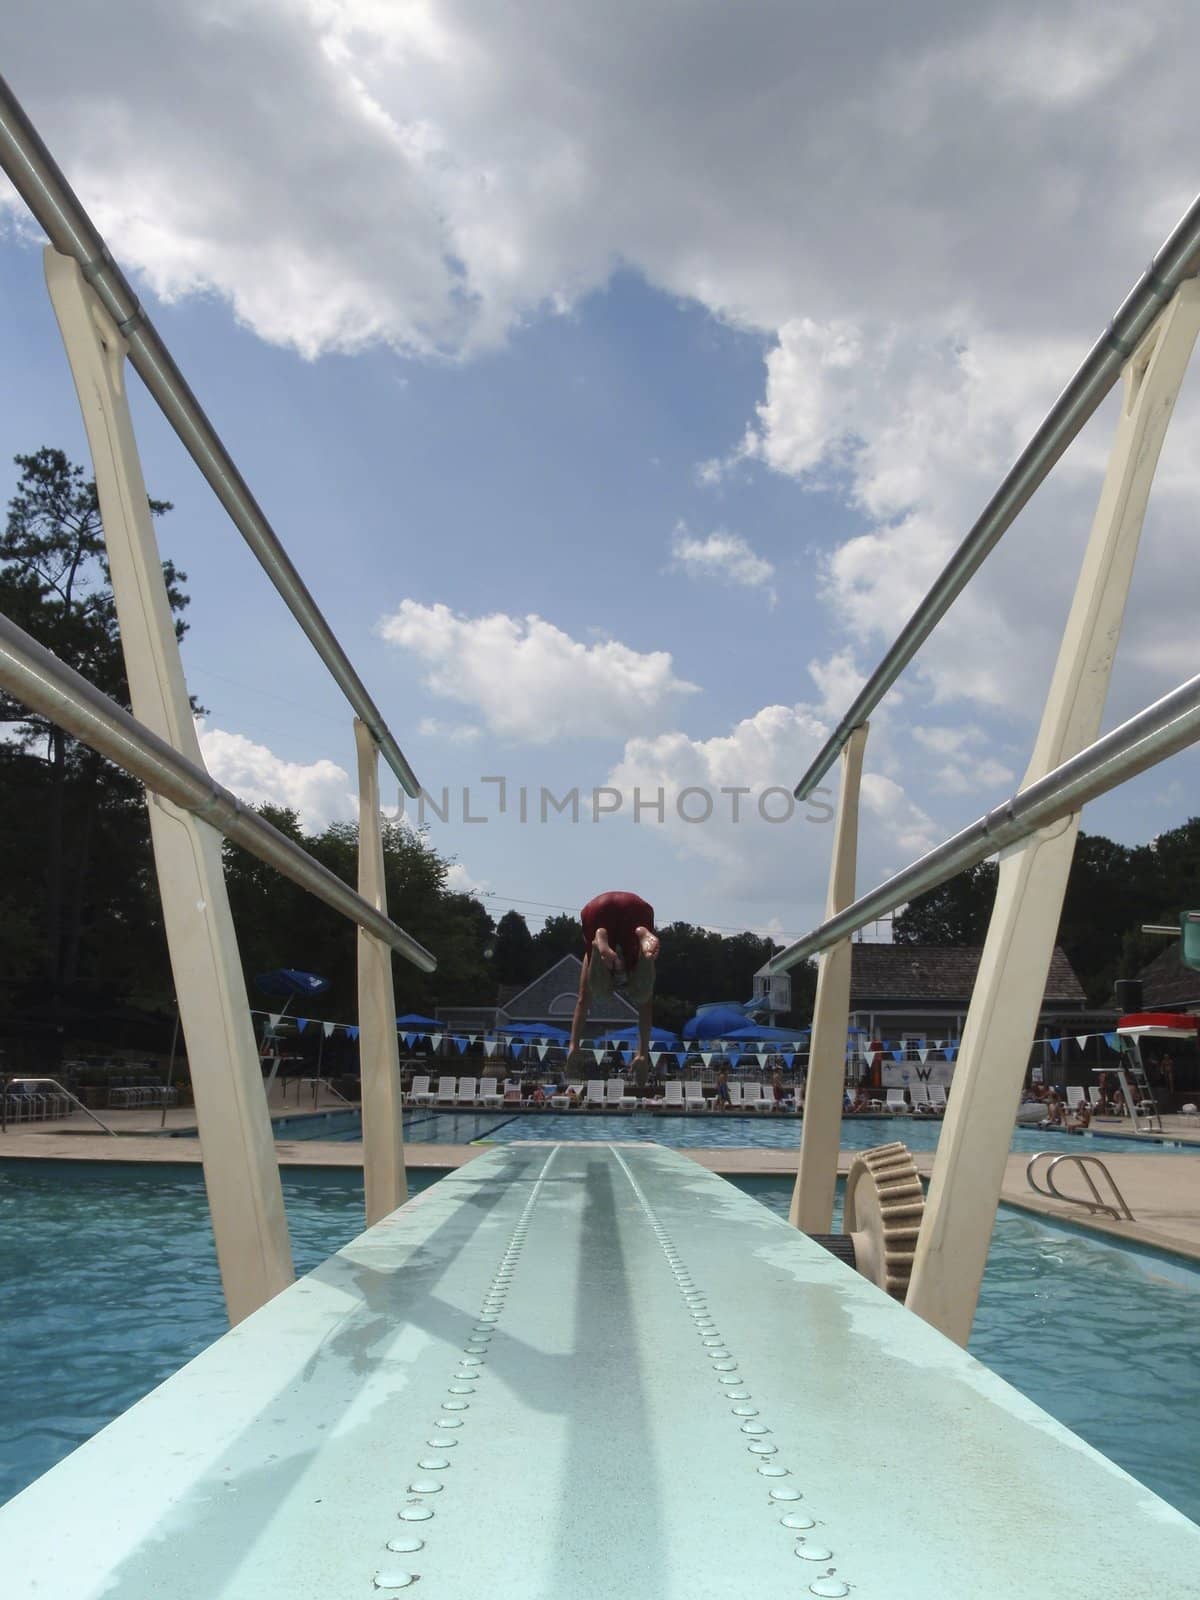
column 1161, row 730
column 35, row 676
column 1177, row 260
column 40, row 183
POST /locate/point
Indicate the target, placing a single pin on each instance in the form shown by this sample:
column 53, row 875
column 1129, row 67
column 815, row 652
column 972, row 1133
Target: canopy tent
column 757, row 1030
column 630, row 1036
column 711, row 1021
column 412, row 1021
column 534, row 1030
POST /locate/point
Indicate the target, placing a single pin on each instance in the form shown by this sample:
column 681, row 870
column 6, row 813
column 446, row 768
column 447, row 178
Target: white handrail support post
column 384, row 1181
column 816, row 1177
column 969, row 1167
column 241, row 1173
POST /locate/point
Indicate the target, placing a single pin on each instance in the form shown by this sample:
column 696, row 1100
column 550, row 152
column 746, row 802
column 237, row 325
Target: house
column 1167, row 985
column 914, row 998
column 550, row 999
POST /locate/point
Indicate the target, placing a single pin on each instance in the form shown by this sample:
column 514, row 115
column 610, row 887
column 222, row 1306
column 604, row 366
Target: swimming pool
column 685, row 1132
column 108, row 1283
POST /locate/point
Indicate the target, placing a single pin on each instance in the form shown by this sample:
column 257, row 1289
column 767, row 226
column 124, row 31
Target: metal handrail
column 1120, row 1211
column 40, row 182
column 1159, row 731
column 36, row 676
column 74, row 1098
column 1177, row 260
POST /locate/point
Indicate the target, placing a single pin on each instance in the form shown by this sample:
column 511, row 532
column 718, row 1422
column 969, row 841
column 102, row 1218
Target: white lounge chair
column 735, row 1095
column 512, row 1091
column 674, row 1095
column 420, row 1093
column 937, row 1096
column 1094, row 1094
column 764, row 1096
column 446, row 1092
column 488, row 1094
column 562, row 1101
column 1075, row 1096
column 896, row 1102
column 693, row 1096
column 467, row 1091
column 918, row 1093
column 595, row 1092
column 616, row 1095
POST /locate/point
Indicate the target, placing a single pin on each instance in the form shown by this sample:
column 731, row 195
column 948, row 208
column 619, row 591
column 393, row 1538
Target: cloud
column 775, row 850
column 460, row 881
column 724, row 556
column 530, row 681
column 319, row 792
column 454, row 732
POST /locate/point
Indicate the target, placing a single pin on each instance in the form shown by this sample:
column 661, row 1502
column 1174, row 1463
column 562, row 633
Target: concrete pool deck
column 1163, row 1191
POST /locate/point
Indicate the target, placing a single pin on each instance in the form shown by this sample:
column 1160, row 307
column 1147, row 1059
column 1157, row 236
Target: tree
column 560, row 935
column 514, row 957
column 956, row 912
column 90, row 833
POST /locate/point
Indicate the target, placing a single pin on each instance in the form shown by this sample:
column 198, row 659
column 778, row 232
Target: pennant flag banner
column 734, row 1057
column 897, row 1055
column 597, row 1055
column 948, row 1052
column 1112, row 1041
column 301, row 1024
column 460, row 1045
column 273, row 1019
column 706, row 1056
column 353, row 1032
column 1055, row 1045
column 435, row 1039
column 922, row 1056
column 543, row 1050
column 489, row 1047
column 1081, row 1039
column 329, row 1027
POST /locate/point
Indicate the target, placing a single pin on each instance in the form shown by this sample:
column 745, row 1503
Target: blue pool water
column 683, row 1132
column 108, row 1283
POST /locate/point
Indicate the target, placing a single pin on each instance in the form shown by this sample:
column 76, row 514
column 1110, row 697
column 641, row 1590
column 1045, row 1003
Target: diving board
column 587, row 1371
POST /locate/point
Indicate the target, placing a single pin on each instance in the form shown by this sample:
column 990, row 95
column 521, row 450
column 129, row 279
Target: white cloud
column 530, row 681
column 724, row 556
column 454, row 732
column 320, row 792
column 460, row 881
column 775, row 850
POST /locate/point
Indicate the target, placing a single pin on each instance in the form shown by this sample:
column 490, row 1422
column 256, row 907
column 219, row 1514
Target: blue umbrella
column 711, row 1021
column 534, row 1030
column 287, row 983
column 413, row 1019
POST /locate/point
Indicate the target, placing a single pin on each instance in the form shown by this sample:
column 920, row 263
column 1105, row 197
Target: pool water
column 108, row 1283
column 685, row 1132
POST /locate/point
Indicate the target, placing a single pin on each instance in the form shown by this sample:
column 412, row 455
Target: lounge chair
column 693, row 1096
column 1095, row 1096
column 735, row 1096
column 512, row 1091
column 1075, row 1096
column 446, row 1092
column 468, row 1092
column 896, row 1103
column 419, row 1094
column 937, row 1096
column 764, row 1096
column 674, row 1095
column 488, row 1095
column 595, row 1092
column 918, row 1093
column 561, row 1101
column 617, row 1097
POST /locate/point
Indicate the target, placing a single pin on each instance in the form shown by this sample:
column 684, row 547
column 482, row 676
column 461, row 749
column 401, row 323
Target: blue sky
column 716, row 447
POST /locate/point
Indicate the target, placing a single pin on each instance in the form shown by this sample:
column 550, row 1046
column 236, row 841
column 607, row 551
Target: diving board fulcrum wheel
column 884, row 1206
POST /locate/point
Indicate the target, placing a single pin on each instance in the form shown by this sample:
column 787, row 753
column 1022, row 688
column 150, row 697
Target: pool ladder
column 1116, row 1207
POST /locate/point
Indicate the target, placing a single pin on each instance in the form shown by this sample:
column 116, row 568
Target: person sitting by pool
column 721, row 1095
column 1082, row 1117
column 538, row 1097
column 777, row 1089
column 620, row 949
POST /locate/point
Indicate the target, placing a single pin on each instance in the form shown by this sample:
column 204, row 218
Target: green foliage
column 514, row 950
column 956, row 912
